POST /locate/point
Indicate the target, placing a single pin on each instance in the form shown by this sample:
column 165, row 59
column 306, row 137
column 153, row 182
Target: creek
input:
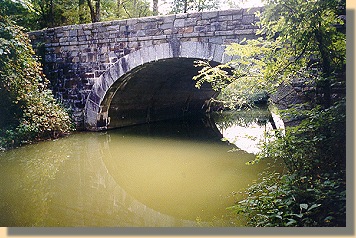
column 177, row 173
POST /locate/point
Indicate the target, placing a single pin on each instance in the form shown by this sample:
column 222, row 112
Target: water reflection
column 246, row 128
column 162, row 174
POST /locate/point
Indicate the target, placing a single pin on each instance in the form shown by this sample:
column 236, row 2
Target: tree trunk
column 51, row 14
column 118, row 5
column 325, row 85
column 185, row 6
column 155, row 7
column 94, row 10
column 97, row 11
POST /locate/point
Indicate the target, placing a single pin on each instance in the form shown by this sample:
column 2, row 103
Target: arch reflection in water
column 161, row 174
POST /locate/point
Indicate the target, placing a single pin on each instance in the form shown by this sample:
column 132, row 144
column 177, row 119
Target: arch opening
column 151, row 84
column 156, row 91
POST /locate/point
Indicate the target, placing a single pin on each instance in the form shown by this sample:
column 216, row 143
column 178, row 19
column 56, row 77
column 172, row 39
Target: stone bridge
column 125, row 72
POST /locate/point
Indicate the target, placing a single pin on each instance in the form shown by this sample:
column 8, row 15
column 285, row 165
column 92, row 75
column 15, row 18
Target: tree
column 132, row 8
column 184, row 6
column 94, row 8
column 298, row 40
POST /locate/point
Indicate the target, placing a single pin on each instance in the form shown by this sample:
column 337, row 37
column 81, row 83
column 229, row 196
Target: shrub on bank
column 28, row 110
column 313, row 191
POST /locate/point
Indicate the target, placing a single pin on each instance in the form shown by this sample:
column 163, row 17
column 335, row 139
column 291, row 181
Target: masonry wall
column 75, row 56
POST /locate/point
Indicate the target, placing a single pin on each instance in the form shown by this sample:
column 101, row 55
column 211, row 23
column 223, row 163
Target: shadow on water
column 195, row 128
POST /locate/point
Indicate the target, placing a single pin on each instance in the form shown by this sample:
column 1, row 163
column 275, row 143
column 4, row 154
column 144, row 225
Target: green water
column 171, row 173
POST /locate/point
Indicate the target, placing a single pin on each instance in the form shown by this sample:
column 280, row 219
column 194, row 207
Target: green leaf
column 291, row 222
column 303, row 206
column 314, row 206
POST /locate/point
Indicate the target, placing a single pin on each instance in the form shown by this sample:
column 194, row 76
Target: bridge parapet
column 76, row 56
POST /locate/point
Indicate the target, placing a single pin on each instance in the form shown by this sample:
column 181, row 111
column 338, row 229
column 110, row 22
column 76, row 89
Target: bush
column 29, row 111
column 313, row 191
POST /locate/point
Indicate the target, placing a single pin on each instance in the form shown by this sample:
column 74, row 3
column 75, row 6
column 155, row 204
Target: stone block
column 150, row 25
column 231, row 12
column 237, row 17
column 73, row 33
column 179, row 23
column 218, row 53
column 93, row 101
column 162, row 51
column 114, row 72
column 87, row 26
column 159, row 37
column 158, row 42
column 216, row 40
column 195, row 15
column 145, row 55
column 124, row 64
column 190, row 22
column 166, row 26
column 225, row 18
column 154, row 32
column 190, row 35
column 99, row 92
column 244, row 32
column 188, row 49
column 189, row 29
column 72, row 38
column 205, row 50
column 206, row 34
column 63, row 39
column 106, row 82
column 203, row 22
column 248, row 19
column 140, row 33
column 152, row 54
column 83, row 38
column 90, row 119
column 224, row 33
column 168, row 19
column 129, row 22
column 168, row 32
column 200, row 29
column 209, row 15
column 113, row 28
column 136, row 58
column 75, row 59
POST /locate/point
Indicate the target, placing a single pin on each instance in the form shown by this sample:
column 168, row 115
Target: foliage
column 132, row 9
column 313, row 191
column 292, row 201
column 17, row 10
column 319, row 139
column 298, row 39
column 39, row 14
column 185, row 6
column 28, row 110
column 303, row 40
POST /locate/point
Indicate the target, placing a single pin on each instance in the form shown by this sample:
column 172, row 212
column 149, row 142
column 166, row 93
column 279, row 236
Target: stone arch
column 115, row 77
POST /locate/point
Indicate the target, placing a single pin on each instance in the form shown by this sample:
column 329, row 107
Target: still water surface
column 173, row 173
